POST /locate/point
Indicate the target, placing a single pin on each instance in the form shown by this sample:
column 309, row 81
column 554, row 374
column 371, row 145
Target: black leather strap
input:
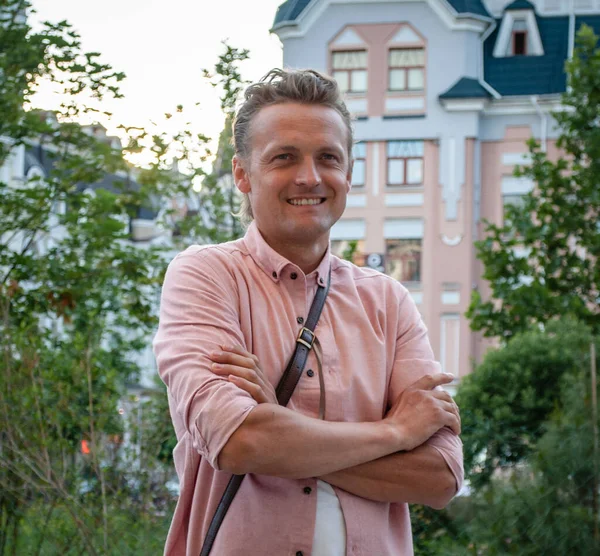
column 284, row 391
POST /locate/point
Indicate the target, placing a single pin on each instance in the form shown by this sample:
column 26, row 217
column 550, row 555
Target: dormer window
column 519, row 34
column 519, row 39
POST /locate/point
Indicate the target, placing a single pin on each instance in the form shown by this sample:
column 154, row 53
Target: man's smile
column 306, row 201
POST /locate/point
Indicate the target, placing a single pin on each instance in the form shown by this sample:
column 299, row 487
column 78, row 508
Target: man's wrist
column 397, row 435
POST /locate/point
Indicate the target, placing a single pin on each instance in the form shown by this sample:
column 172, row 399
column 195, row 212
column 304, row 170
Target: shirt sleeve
column 414, row 359
column 199, row 314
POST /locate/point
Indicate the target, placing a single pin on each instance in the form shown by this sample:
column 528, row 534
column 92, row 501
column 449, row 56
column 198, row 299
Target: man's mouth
column 302, row 202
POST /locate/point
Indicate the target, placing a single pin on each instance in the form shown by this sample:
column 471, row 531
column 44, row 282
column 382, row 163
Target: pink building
column 445, row 95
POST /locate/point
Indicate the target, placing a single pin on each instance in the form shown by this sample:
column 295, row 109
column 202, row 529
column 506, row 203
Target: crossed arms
column 412, row 455
column 387, row 461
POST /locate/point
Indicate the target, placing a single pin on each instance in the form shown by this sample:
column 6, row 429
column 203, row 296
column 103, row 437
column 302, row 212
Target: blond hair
column 277, row 87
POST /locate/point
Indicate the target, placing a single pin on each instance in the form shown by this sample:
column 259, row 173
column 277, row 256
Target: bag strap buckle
column 306, row 337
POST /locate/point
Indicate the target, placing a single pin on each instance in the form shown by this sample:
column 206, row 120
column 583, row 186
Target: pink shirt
column 374, row 345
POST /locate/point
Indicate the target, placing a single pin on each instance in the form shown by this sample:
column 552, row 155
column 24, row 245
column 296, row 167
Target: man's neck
column 306, row 256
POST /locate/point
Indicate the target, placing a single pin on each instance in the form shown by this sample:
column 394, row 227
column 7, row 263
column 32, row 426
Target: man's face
column 298, row 173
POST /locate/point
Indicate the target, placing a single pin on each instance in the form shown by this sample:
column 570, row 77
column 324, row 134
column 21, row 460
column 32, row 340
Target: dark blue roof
column 291, row 9
column 465, row 87
column 531, row 75
column 474, row 7
column 520, row 5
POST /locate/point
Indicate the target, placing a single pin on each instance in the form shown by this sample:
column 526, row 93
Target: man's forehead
column 290, row 119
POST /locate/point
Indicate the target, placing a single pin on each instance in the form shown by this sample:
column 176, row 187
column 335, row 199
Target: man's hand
column 242, row 368
column 421, row 410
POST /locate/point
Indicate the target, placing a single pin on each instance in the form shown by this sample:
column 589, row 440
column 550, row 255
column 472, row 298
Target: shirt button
column 299, row 320
column 293, row 276
column 307, row 490
column 299, row 553
column 274, row 274
column 310, row 373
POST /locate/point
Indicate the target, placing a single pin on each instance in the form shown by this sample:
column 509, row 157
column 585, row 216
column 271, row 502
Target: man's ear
column 240, row 175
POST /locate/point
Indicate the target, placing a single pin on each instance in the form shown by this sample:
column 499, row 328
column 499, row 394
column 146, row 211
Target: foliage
column 431, row 527
column 350, row 251
column 545, row 506
column 78, row 303
column 542, row 262
column 507, row 399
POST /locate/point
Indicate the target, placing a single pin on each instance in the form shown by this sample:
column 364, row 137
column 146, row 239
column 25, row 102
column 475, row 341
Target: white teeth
column 299, row 202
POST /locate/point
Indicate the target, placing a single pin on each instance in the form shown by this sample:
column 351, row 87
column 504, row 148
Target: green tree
column 219, row 196
column 506, row 402
column 77, row 303
column 544, row 507
column 542, row 262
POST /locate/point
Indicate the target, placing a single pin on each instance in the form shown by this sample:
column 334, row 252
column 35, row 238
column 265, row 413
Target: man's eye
column 284, row 156
column 329, row 156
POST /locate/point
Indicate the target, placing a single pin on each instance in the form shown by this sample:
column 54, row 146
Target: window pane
column 358, row 173
column 416, row 79
column 408, row 149
column 359, row 150
column 397, row 80
column 396, row 171
column 414, row 171
column 350, row 60
column 519, row 39
column 342, row 80
column 403, row 259
column 359, row 81
column 407, row 57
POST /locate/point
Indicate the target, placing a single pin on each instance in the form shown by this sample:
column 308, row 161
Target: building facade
column 445, row 94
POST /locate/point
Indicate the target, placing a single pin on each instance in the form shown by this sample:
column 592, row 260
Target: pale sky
column 163, row 45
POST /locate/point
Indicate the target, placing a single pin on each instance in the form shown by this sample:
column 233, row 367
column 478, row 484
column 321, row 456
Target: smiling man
column 367, row 429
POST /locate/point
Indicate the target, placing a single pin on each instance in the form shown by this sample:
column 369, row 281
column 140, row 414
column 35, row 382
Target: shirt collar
column 272, row 263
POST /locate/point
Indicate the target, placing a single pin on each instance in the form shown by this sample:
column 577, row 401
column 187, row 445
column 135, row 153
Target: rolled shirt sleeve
column 198, row 315
column 414, row 359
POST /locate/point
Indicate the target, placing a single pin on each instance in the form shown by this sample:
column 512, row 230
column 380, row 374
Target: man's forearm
column 420, row 476
column 276, row 441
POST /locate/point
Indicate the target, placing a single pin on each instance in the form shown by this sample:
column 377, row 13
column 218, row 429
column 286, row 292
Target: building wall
column 469, row 157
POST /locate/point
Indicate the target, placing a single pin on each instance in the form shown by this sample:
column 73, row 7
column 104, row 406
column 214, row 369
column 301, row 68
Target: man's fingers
column 252, row 388
column 243, row 372
column 454, row 424
column 443, row 395
column 239, row 350
column 429, row 382
column 452, row 416
column 231, row 358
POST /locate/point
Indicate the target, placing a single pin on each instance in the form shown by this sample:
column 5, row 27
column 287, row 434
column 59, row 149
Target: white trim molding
column 464, row 104
column 444, row 340
column 404, row 200
column 349, row 228
column 518, row 105
column 403, row 228
column 451, row 241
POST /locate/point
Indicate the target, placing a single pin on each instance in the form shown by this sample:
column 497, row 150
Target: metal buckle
column 302, row 341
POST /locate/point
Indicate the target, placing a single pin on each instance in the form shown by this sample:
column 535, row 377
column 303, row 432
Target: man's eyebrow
column 283, row 148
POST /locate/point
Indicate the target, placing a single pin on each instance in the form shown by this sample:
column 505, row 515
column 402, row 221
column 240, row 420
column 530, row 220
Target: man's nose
column 308, row 173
